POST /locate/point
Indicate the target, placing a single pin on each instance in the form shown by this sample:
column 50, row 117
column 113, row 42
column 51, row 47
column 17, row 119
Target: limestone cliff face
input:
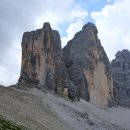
column 88, row 66
column 42, row 60
column 121, row 77
column 84, row 70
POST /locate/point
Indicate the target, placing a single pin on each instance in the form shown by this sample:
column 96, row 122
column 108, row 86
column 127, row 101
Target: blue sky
column 89, row 6
column 92, row 5
column 112, row 18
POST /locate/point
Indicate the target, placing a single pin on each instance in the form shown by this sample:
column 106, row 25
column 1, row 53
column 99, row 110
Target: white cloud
column 72, row 29
column 113, row 23
column 77, row 13
column 56, row 12
column 10, row 70
column 77, row 18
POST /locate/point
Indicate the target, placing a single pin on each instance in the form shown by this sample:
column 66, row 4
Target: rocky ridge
column 121, row 77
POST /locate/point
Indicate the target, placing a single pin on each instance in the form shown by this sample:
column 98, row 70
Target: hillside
column 41, row 110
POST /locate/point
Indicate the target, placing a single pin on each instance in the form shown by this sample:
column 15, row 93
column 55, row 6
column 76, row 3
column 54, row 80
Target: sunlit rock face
column 42, row 60
column 88, row 66
column 121, row 77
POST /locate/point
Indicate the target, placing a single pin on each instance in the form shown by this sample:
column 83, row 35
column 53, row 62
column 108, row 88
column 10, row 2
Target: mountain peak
column 90, row 26
column 46, row 26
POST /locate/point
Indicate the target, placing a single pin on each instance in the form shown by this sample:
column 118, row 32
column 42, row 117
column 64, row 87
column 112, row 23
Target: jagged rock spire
column 42, row 60
column 89, row 67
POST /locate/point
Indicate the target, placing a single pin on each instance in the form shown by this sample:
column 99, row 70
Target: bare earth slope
column 27, row 109
column 38, row 110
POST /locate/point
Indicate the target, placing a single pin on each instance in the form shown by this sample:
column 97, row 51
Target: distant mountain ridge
column 121, row 77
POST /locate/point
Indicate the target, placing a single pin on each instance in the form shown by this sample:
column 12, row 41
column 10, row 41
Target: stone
column 121, row 77
column 42, row 61
column 89, row 67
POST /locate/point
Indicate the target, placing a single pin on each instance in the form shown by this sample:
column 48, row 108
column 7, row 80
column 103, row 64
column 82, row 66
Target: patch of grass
column 7, row 125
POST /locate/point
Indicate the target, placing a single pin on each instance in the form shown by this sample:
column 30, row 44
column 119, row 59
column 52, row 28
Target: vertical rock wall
column 121, row 77
column 88, row 66
column 42, row 59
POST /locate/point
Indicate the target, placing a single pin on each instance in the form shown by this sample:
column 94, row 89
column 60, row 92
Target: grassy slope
column 8, row 125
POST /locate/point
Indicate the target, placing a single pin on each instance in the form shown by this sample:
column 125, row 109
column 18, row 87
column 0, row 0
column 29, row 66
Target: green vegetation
column 7, row 125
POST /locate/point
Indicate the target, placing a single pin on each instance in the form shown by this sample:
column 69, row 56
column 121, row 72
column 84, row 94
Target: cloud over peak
column 113, row 25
